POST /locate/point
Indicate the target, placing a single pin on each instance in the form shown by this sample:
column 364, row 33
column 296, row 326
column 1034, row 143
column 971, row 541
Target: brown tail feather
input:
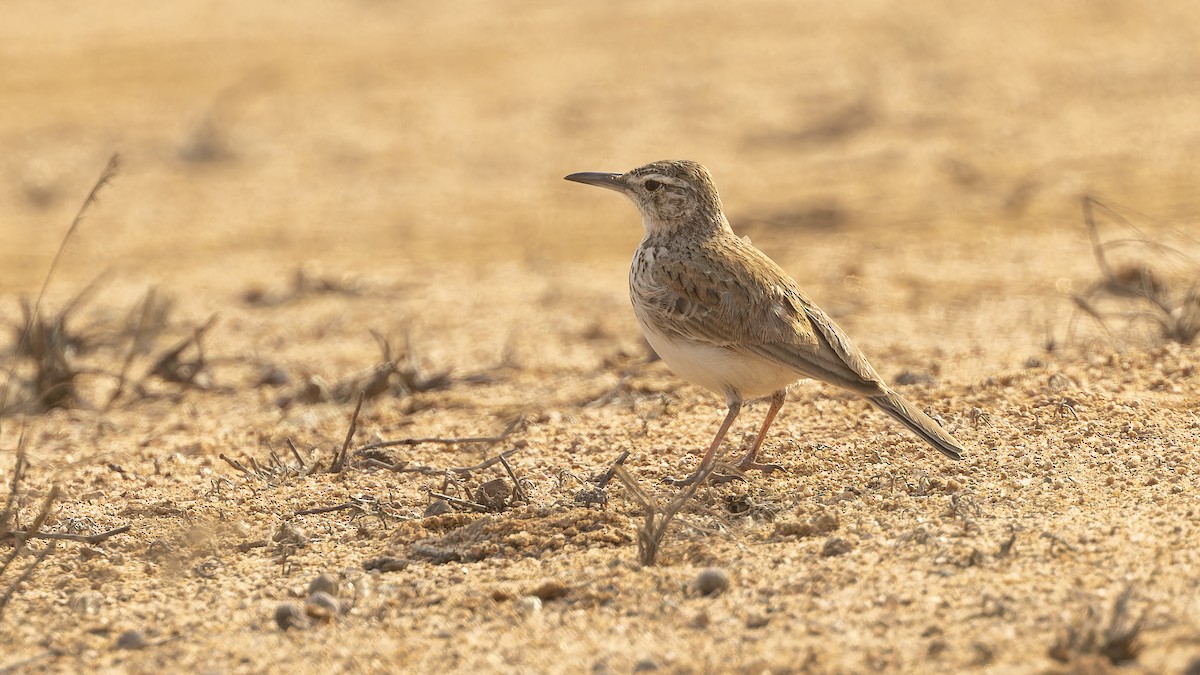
column 919, row 423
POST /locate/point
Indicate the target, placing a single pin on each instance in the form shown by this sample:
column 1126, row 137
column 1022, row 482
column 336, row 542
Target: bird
column 724, row 316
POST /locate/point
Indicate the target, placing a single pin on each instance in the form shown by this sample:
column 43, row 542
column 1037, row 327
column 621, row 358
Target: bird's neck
column 701, row 225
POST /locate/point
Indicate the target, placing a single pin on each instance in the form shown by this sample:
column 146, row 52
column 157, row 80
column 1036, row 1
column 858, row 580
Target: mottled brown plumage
column 723, row 315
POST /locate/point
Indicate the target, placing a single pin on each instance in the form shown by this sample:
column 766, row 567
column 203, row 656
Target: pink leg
column 735, row 406
column 748, row 462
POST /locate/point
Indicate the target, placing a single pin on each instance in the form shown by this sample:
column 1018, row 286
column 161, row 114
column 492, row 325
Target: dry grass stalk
column 173, row 366
column 54, row 381
column 339, row 460
column 1116, row 640
column 148, row 321
column 400, row 376
column 1172, row 301
column 658, row 518
column 20, row 538
column 106, row 176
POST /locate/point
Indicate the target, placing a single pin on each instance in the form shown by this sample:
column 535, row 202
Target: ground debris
column 1141, row 279
column 523, row 531
column 1117, row 638
column 821, row 523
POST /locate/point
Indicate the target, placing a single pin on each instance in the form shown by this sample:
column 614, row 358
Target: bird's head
column 671, row 195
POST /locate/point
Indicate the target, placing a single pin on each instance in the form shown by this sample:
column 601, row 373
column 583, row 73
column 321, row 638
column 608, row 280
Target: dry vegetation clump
column 49, row 359
column 47, row 343
column 54, row 366
column 1116, row 637
column 48, row 351
column 307, row 281
column 1140, row 279
column 398, row 375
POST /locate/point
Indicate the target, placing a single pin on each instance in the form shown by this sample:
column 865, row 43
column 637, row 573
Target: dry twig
column 21, row 537
column 607, row 476
column 518, row 490
column 658, row 519
column 106, row 176
column 339, row 460
column 403, row 467
column 11, row 591
column 81, row 538
column 360, row 506
column 326, row 509
column 171, row 366
column 402, row 376
column 296, row 453
column 466, row 504
column 238, row 465
column 151, row 314
column 7, row 516
column 595, row 494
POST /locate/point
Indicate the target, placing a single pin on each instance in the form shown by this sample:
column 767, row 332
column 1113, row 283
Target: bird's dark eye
column 651, row 185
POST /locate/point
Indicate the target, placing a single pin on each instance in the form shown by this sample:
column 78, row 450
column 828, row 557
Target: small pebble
column 712, row 581
column 132, row 639
column 529, row 605
column 288, row 615
column 645, row 665
column 89, row 552
column 822, row 523
column 273, row 376
column 756, row 621
column 549, row 590
column 835, row 546
column 159, row 549
column 290, row 534
column 494, row 494
column 324, row 583
column 440, row 507
column 322, row 606
column 87, row 603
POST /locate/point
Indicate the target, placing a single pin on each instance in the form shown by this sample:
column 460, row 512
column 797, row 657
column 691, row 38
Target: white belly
column 721, row 370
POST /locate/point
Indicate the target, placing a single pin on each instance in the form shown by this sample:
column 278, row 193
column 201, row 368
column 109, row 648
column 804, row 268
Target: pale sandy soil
column 919, row 171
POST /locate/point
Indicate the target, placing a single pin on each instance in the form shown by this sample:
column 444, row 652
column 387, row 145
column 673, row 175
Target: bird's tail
column 918, row 422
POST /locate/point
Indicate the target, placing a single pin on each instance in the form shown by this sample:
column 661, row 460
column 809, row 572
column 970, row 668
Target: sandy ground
column 314, row 175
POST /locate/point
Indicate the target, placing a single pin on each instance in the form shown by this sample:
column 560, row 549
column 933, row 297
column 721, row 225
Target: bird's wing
column 756, row 309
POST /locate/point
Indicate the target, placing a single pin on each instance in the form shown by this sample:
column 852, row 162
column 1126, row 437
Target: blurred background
column 366, row 134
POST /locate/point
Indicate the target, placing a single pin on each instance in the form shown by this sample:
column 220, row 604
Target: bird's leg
column 735, row 406
column 748, row 462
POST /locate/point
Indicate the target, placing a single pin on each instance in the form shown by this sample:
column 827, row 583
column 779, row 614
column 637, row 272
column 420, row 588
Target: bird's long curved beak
column 612, row 181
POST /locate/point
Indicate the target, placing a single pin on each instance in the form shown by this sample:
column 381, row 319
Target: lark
column 724, row 316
